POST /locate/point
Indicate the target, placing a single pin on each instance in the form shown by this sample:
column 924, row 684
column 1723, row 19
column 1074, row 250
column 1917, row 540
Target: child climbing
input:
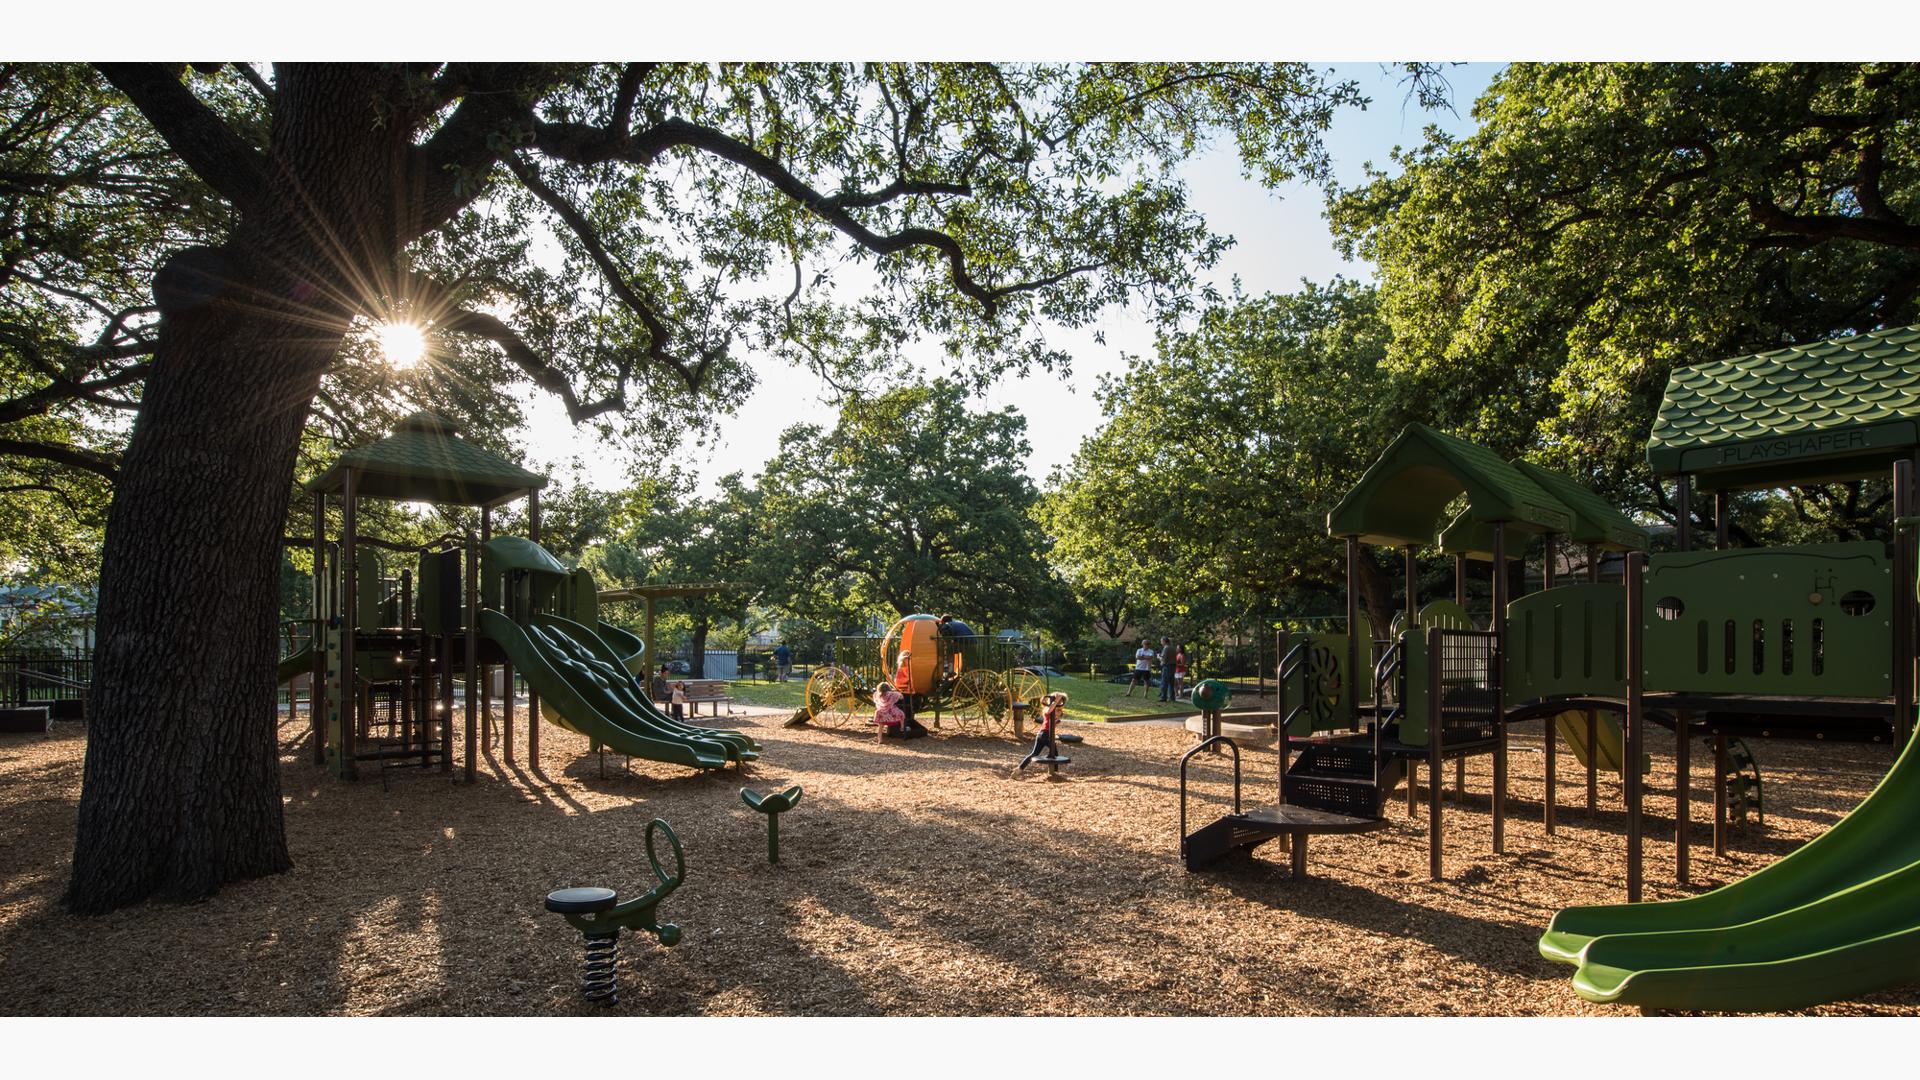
column 1055, row 704
column 903, row 684
column 887, row 713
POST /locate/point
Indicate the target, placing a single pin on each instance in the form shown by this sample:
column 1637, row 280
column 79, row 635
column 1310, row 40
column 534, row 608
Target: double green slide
column 584, row 684
column 1837, row 918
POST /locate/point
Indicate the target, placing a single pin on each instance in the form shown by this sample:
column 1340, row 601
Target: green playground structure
column 1813, row 641
column 469, row 606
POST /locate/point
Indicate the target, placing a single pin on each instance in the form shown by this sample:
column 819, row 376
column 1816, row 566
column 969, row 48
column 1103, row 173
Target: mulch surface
column 917, row 878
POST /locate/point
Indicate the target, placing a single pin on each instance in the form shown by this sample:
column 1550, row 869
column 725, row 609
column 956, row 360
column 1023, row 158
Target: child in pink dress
column 886, row 709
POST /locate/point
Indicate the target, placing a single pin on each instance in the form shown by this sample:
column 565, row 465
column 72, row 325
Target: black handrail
column 1391, row 664
column 1188, row 756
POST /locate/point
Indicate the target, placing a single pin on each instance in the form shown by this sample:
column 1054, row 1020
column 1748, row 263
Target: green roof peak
column 1833, row 410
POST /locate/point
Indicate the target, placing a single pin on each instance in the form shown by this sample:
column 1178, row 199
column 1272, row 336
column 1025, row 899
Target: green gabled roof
column 1595, row 521
column 1834, row 410
column 1401, row 498
column 504, row 553
column 425, row 460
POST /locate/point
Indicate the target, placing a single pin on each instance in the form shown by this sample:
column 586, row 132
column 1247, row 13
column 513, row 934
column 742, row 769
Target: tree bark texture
column 181, row 791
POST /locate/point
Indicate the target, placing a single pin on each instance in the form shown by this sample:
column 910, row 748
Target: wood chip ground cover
column 917, row 878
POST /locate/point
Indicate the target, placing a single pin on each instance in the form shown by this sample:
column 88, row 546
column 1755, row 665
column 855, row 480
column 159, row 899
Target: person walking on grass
column 1180, row 673
column 783, row 661
column 1056, row 703
column 1166, row 669
column 1142, row 668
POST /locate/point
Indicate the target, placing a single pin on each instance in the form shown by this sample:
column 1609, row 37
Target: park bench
column 708, row 690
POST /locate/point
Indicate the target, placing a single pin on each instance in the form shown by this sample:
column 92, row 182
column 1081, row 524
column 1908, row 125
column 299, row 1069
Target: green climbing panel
column 1569, row 640
column 1813, row 621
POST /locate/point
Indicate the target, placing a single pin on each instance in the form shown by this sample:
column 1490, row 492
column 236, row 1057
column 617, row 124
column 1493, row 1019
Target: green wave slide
column 592, row 693
column 1836, row 918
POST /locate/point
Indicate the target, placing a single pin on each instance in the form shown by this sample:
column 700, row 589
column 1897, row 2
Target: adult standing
column 950, row 627
column 1142, row 668
column 1166, row 669
column 783, row 661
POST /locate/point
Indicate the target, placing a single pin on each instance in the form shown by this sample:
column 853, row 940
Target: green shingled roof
column 1595, row 521
column 1401, row 498
column 1837, row 409
column 425, row 460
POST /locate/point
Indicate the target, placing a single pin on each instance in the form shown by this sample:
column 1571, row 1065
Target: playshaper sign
column 1791, row 446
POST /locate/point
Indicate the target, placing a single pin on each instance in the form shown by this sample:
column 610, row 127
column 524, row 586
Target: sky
column 1281, row 237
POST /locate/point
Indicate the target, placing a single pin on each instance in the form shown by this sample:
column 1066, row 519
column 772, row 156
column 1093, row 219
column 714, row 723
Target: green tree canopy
column 1607, row 222
column 913, row 501
column 1207, row 487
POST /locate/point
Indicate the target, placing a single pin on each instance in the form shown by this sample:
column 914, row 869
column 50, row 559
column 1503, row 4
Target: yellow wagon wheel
column 833, row 697
column 978, row 699
column 1030, row 687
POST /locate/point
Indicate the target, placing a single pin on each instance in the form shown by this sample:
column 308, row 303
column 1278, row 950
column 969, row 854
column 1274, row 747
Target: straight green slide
column 597, row 701
column 1838, row 917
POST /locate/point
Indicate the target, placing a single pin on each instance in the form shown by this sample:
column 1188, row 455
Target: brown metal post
column 1635, row 714
column 1682, row 795
column 1499, row 687
column 1436, row 752
column 1411, row 571
column 349, row 622
column 1903, row 606
column 1593, row 722
column 1460, row 580
column 1683, row 721
column 1549, row 729
column 1280, row 747
column 444, row 708
column 1719, row 794
column 1353, row 632
column 407, row 673
column 1683, row 495
column 486, row 683
column 653, row 659
column 317, row 692
column 473, row 650
column 533, row 696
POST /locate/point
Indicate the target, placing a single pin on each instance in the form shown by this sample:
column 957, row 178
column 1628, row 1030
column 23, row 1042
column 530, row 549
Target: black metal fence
column 33, row 676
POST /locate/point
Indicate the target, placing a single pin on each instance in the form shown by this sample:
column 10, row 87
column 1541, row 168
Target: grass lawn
column 1085, row 700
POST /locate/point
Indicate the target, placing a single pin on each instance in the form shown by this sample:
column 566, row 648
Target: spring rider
column 600, row 915
column 773, row 806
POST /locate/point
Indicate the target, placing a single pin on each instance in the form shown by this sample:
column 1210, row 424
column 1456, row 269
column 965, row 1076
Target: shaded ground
column 921, row 877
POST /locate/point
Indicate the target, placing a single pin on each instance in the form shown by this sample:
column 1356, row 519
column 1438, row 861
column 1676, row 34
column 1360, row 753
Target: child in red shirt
column 1055, row 704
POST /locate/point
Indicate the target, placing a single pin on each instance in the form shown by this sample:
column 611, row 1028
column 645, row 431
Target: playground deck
column 917, row 878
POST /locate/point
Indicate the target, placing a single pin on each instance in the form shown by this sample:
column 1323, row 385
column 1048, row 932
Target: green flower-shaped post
column 773, row 806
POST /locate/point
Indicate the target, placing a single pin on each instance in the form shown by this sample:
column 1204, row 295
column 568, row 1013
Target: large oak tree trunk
column 182, row 785
column 182, row 788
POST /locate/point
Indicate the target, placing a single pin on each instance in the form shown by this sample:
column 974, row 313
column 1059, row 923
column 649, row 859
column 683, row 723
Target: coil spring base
column 600, row 973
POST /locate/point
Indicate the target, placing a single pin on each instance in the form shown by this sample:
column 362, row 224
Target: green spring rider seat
column 599, row 914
